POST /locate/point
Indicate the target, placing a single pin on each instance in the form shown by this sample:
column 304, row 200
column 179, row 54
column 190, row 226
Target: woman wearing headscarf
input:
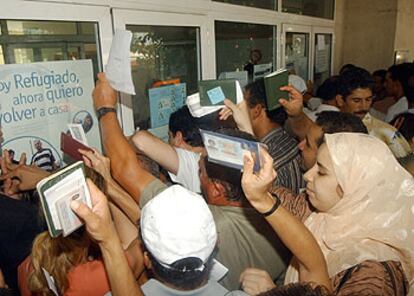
column 362, row 216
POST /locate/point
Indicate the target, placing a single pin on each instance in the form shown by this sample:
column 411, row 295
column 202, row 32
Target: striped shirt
column 284, row 150
column 44, row 159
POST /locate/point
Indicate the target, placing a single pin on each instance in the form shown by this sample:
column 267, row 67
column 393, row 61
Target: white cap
column 298, row 83
column 178, row 224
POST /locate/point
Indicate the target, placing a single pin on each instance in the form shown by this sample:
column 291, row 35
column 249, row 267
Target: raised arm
column 100, row 227
column 240, row 114
column 125, row 167
column 291, row 230
column 117, row 195
column 298, row 122
column 159, row 151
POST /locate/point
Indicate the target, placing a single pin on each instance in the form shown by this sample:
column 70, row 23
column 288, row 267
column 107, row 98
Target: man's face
column 253, row 112
column 171, row 139
column 379, row 84
column 391, row 86
column 255, row 57
column 205, row 182
column 38, row 145
column 309, row 146
column 358, row 102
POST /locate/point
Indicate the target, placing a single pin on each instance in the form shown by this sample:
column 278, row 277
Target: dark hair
column 328, row 90
column 257, row 96
column 407, row 127
column 404, row 73
column 212, row 122
column 382, row 73
column 333, row 122
column 183, row 273
column 409, row 89
column 297, row 289
column 352, row 79
column 346, row 67
column 229, row 178
column 401, row 72
column 257, row 51
column 182, row 121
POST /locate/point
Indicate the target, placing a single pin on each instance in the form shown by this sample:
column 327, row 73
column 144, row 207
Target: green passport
column 213, row 92
column 273, row 82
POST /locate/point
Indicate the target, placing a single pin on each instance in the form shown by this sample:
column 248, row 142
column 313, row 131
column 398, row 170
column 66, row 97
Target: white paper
column 118, row 69
column 218, row 271
column 75, row 181
column 77, row 132
column 196, row 110
column 321, row 42
column 68, row 219
column 261, row 70
column 193, row 104
column 50, row 282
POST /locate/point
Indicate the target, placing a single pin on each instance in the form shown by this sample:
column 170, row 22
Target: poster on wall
column 39, row 100
column 164, row 101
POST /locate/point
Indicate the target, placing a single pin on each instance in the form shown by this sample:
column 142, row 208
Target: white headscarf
column 374, row 220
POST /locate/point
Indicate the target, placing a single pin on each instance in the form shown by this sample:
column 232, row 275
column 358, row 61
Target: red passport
column 70, row 147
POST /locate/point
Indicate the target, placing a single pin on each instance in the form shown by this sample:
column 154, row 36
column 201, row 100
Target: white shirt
column 323, row 107
column 187, row 174
column 399, row 107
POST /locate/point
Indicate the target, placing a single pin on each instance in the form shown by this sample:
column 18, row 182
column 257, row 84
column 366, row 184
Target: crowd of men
column 191, row 215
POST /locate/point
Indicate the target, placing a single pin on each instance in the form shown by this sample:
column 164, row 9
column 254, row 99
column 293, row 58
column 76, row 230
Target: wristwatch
column 103, row 110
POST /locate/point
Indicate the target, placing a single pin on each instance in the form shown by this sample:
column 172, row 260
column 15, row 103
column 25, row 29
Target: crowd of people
column 330, row 212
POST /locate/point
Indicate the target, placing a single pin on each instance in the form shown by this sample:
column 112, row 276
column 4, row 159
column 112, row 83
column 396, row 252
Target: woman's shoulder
column 88, row 278
column 372, row 278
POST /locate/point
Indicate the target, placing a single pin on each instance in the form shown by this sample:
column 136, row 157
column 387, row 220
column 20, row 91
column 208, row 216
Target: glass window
column 37, row 41
column 51, row 54
column 266, row 4
column 1, row 55
column 41, row 28
column 297, row 53
column 162, row 55
column 23, row 55
column 323, row 49
column 316, row 8
column 244, row 47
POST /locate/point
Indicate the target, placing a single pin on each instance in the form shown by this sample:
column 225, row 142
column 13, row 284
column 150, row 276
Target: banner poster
column 164, row 101
column 38, row 100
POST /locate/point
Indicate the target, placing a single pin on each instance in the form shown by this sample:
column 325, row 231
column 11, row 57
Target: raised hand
column 98, row 219
column 240, row 114
column 293, row 106
column 103, row 94
column 97, row 162
column 255, row 281
column 19, row 177
column 256, row 185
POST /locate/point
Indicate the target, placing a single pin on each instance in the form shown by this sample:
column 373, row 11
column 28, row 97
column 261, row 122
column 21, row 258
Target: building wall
column 404, row 37
column 368, row 37
column 338, row 33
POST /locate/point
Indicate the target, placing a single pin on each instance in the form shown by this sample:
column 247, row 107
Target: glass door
column 322, row 60
column 166, row 65
column 296, row 49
